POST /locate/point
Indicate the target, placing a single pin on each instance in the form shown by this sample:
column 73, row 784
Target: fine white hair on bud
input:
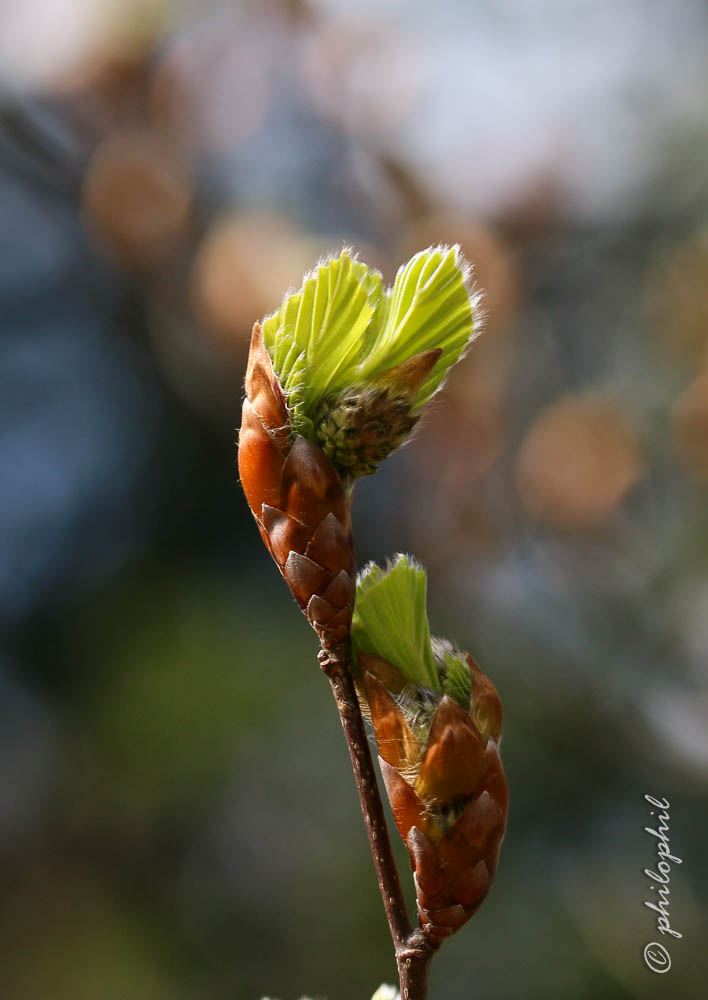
column 372, row 572
column 391, row 619
column 357, row 362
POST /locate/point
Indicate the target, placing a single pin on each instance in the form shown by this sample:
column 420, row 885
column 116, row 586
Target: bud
column 386, row 992
column 336, row 380
column 357, row 362
column 361, row 426
column 298, row 501
column 437, row 721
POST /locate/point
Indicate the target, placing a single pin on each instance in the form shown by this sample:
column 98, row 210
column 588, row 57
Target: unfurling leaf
column 390, row 619
column 357, row 362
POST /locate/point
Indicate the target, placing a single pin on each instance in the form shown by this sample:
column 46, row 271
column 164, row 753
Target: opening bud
column 357, row 362
column 437, row 721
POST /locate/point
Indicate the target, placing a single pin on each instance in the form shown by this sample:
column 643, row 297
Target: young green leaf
column 357, row 363
column 391, row 621
column 431, row 306
column 315, row 338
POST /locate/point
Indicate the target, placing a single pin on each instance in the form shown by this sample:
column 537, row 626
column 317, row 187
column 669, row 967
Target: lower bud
column 437, row 720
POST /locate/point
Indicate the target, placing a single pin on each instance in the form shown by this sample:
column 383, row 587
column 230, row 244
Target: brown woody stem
column 413, row 954
column 413, row 964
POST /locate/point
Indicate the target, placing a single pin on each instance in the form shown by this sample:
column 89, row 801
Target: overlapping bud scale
column 298, row 501
column 439, row 757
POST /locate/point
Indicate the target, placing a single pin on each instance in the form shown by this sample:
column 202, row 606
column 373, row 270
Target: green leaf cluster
column 343, row 329
column 391, row 621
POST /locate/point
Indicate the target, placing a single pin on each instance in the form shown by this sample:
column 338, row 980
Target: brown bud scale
column 449, row 796
column 298, row 501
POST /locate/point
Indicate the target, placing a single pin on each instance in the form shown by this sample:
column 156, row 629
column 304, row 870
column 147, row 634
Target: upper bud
column 357, row 362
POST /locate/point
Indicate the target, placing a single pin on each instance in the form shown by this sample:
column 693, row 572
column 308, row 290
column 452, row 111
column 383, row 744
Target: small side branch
column 413, row 965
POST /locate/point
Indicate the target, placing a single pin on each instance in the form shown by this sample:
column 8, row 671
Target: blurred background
column 177, row 813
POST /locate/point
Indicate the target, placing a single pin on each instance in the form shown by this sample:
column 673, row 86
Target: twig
column 413, row 964
column 413, row 953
